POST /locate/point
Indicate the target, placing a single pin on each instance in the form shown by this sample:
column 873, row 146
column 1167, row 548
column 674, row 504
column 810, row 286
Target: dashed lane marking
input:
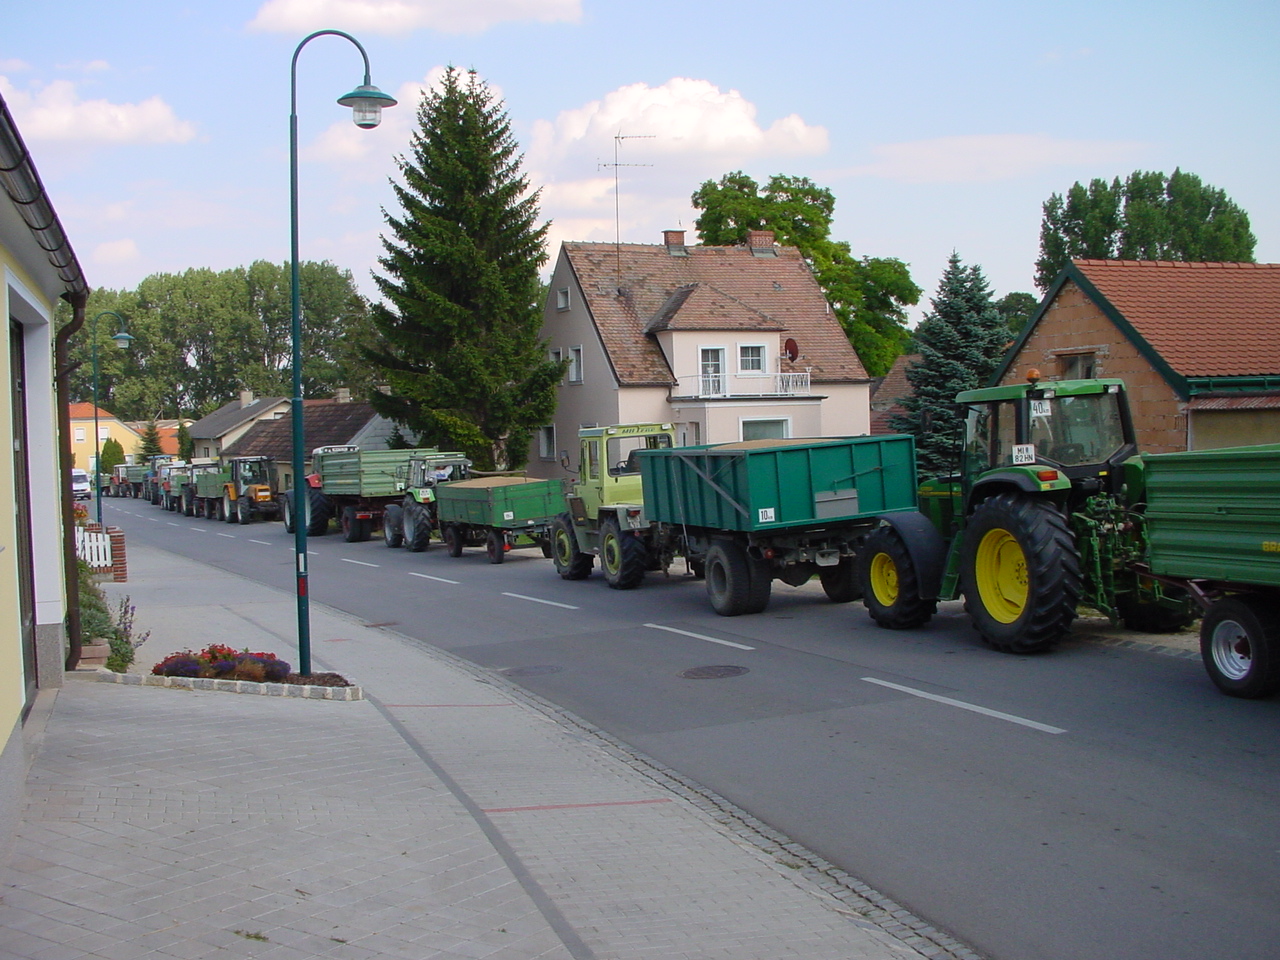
column 426, row 576
column 359, row 563
column 265, row 543
column 699, row 636
column 549, row 603
column 229, row 536
column 973, row 707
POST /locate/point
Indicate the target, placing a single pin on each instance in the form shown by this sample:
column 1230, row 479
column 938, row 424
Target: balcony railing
column 743, row 385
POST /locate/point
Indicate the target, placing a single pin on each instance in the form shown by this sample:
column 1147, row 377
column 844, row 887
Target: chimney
column 674, row 241
column 760, row 243
column 246, row 398
column 342, row 395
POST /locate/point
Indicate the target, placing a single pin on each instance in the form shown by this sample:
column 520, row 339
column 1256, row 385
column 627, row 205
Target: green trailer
column 1212, row 526
column 499, row 513
column 356, row 486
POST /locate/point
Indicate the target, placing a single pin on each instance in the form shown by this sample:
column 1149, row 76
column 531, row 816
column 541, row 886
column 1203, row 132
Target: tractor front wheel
column 890, row 584
column 417, row 526
column 1240, row 646
column 570, row 562
column 623, row 557
column 1020, row 573
column 392, row 526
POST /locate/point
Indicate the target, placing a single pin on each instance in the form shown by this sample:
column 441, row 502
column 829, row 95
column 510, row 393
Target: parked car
column 81, row 485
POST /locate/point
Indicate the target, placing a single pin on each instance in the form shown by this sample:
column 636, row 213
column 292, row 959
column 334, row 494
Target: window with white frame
column 575, row 364
column 547, row 442
column 104, row 433
column 79, row 434
column 750, row 358
column 562, row 298
column 766, row 429
column 711, row 372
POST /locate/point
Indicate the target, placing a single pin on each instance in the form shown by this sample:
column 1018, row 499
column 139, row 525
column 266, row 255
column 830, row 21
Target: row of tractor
column 1051, row 508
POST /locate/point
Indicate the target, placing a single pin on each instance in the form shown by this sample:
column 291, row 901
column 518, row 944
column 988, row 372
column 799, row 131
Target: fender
column 925, row 546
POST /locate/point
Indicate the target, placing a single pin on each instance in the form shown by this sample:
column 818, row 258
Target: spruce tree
column 960, row 344
column 151, row 440
column 458, row 331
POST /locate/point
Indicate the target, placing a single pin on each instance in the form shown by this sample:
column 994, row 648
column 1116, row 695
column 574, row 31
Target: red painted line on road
column 575, row 806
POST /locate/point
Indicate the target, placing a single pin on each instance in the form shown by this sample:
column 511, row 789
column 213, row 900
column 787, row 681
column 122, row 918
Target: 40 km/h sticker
column 766, row 515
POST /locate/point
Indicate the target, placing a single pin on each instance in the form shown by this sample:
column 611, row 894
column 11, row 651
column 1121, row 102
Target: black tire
column 1020, row 573
column 544, row 544
column 698, row 568
column 495, row 546
column 244, row 511
column 840, row 583
column 319, row 513
column 1154, row 618
column 220, row 509
column 623, row 557
column 889, row 583
column 760, row 576
column 728, row 579
column 228, row 509
column 454, row 539
column 286, row 511
column 1240, row 646
column 392, row 525
column 571, row 563
column 354, row 530
column 417, row 526
column 188, row 504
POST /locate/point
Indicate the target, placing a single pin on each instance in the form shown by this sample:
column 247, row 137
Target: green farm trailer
column 354, row 485
column 499, row 513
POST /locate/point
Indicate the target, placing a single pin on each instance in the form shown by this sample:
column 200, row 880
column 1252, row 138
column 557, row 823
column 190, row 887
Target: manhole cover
column 536, row 671
column 713, row 673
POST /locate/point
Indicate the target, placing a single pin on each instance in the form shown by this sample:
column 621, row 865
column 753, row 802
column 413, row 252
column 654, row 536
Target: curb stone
column 288, row 690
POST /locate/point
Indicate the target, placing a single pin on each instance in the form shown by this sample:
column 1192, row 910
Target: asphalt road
column 1093, row 804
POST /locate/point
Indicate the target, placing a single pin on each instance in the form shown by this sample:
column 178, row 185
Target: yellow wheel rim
column 884, row 579
column 1000, row 569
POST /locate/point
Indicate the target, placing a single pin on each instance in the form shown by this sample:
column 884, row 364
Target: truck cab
column 609, row 472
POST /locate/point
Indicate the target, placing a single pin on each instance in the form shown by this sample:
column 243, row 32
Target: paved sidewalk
column 449, row 815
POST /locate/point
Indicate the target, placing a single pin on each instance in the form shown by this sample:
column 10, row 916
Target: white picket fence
column 94, row 548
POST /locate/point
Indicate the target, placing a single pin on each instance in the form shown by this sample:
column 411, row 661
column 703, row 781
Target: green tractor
column 1045, row 514
column 411, row 522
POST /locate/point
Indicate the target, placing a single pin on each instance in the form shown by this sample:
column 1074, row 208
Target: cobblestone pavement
column 447, row 815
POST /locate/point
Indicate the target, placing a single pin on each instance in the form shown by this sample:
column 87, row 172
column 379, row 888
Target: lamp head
column 122, row 340
column 366, row 102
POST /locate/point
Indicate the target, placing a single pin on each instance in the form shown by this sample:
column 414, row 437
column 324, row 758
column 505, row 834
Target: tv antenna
column 617, row 209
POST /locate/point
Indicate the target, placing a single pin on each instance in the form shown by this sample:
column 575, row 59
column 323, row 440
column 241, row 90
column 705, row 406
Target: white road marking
column 1043, row 727
column 199, row 530
column 360, row 563
column 699, row 636
column 172, row 524
column 426, row 576
column 265, row 543
column 549, row 603
column 229, row 536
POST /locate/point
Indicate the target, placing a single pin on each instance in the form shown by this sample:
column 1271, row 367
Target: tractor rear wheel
column 286, row 511
column 623, row 557
column 571, row 563
column 417, row 526
column 1020, row 573
column 889, row 583
column 392, row 525
column 1240, row 646
column 319, row 513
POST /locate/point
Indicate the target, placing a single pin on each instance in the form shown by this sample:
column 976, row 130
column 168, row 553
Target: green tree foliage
column 1016, row 309
column 112, row 453
column 960, row 344
column 151, row 440
column 1148, row 217
column 186, row 445
column 869, row 295
column 202, row 336
column 459, row 346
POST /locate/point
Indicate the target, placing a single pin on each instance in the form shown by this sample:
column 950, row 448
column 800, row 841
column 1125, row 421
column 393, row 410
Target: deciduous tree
column 868, row 294
column 459, row 326
column 1148, row 217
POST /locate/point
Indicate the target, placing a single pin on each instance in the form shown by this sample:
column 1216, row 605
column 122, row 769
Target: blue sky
column 160, row 127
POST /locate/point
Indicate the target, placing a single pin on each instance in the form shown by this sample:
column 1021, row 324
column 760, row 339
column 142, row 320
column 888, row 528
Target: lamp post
column 121, row 340
column 366, row 102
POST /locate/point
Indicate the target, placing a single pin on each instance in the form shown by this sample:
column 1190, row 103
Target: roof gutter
column 22, row 184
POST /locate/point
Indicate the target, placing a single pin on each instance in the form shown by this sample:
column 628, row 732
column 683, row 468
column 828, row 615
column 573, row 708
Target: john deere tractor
column 1043, row 515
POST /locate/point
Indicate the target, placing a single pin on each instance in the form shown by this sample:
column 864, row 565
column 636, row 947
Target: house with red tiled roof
column 728, row 343
column 80, row 416
column 1197, row 344
column 887, row 393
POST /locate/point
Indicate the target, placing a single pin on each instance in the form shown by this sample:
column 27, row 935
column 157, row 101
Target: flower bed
column 220, row 662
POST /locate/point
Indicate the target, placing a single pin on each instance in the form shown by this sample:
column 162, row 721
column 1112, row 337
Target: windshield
column 621, row 450
column 1076, row 430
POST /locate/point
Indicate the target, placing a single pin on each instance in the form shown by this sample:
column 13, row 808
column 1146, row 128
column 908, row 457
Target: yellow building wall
column 113, row 429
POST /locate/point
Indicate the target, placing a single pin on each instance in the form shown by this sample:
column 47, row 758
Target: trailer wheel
column 417, row 526
column 623, row 557
column 392, row 527
column 571, row 563
column 1240, row 646
column 889, row 583
column 454, row 539
column 1020, row 573
column 1152, row 617
column 840, row 583
column 495, row 546
column 728, row 579
column 354, row 530
column 760, row 579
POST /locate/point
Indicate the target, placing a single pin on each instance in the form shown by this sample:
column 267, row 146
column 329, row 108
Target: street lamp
column 366, row 102
column 121, row 340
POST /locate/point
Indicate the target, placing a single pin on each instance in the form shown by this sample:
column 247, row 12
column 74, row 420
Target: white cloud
column 395, row 17
column 985, row 158
column 14, row 66
column 115, row 253
column 56, row 112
